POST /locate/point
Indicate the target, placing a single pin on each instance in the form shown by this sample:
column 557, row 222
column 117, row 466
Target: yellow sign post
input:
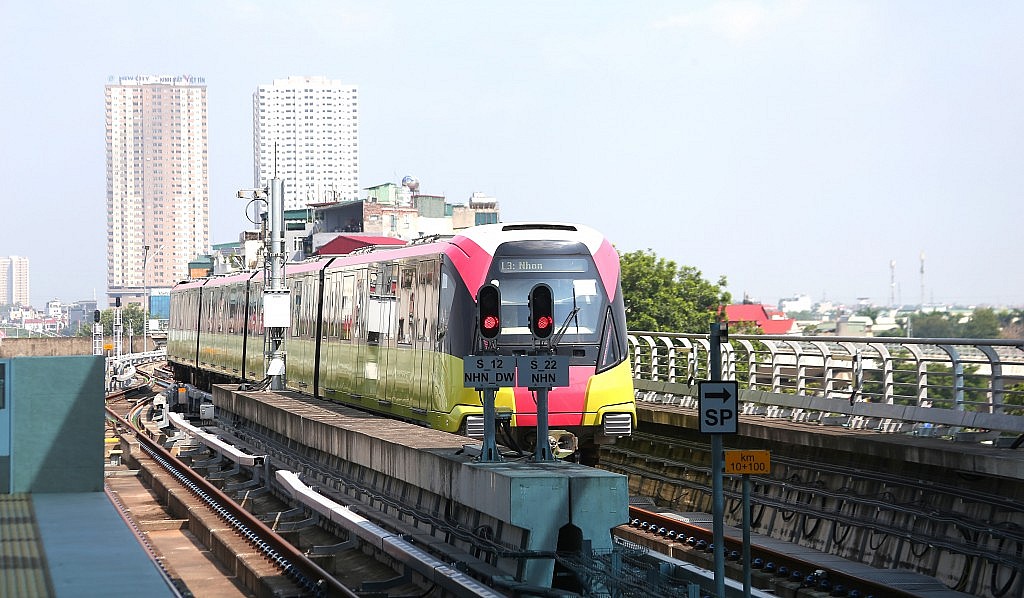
column 748, row 462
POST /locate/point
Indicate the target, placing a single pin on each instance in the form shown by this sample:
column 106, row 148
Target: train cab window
column 577, row 304
column 610, row 350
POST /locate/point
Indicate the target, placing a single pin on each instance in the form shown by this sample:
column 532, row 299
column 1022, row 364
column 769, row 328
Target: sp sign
column 718, row 404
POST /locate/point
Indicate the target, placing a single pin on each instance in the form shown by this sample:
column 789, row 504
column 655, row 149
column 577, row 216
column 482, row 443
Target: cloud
column 737, row 21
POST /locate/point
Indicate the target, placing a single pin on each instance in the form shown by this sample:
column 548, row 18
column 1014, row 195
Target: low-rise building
column 768, row 319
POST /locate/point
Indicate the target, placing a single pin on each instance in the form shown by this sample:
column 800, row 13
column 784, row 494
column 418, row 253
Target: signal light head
column 542, row 311
column 489, row 311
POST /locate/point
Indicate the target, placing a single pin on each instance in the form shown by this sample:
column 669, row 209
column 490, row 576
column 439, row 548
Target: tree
column 984, row 323
column 663, row 297
column 933, row 325
column 132, row 316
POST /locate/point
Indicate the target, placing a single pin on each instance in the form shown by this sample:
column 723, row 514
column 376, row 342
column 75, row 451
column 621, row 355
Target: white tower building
column 20, row 290
column 306, row 131
column 14, row 281
column 158, row 202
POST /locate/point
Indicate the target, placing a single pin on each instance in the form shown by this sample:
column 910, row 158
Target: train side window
column 444, row 309
column 221, row 308
column 3, row 385
column 347, row 301
column 407, row 305
column 309, row 317
column 610, row 345
column 232, row 310
column 296, row 306
column 328, row 329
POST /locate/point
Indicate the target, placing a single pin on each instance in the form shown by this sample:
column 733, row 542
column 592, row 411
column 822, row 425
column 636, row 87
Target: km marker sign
column 718, row 403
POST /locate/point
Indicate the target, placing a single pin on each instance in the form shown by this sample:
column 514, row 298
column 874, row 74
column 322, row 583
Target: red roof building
column 768, row 319
column 344, row 244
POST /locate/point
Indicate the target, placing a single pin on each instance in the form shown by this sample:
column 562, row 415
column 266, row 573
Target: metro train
column 386, row 329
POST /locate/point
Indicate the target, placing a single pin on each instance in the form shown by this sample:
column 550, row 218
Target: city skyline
column 792, row 147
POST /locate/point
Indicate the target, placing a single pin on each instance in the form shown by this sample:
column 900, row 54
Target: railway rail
column 775, row 566
column 967, row 537
column 306, row 576
column 127, row 417
column 809, row 502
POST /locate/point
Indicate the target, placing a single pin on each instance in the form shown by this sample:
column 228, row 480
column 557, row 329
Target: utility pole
column 276, row 301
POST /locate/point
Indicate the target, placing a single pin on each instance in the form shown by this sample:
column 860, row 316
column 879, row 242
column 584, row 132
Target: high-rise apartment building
column 158, row 216
column 306, row 132
column 14, row 281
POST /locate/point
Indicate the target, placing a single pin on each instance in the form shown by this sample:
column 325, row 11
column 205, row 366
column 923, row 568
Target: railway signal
column 542, row 311
column 489, row 307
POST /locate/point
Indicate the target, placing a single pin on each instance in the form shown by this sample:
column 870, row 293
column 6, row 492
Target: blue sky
column 791, row 146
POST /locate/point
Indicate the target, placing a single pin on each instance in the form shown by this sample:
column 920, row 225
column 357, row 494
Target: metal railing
column 921, row 380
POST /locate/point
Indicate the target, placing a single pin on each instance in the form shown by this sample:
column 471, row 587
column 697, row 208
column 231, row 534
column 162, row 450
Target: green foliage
column 132, row 316
column 984, row 323
column 1014, row 400
column 871, row 312
column 662, row 296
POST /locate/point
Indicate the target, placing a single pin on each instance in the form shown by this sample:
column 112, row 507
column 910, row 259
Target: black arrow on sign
column 724, row 395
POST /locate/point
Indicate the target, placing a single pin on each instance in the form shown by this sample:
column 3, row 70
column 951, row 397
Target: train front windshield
column 578, row 295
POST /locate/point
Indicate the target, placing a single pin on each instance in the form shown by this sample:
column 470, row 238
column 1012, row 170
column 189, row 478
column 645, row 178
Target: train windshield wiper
column 571, row 316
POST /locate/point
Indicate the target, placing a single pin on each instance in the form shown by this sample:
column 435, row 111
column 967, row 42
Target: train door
column 423, row 317
column 345, row 357
column 389, row 364
column 368, row 306
column 329, row 336
column 255, row 367
column 402, row 371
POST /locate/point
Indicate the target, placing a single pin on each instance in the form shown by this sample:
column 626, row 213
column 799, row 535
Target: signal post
column 540, row 371
column 490, row 371
column 717, row 404
column 544, row 370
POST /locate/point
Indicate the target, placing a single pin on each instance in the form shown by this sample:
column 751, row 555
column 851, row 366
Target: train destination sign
column 515, row 265
column 484, row 372
column 543, row 371
column 748, row 462
column 718, row 403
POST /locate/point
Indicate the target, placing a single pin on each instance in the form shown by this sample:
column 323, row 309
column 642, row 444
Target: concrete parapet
column 531, row 507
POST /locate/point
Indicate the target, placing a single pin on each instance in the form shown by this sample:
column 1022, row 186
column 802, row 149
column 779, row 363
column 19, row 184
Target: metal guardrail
column 959, row 383
column 138, row 358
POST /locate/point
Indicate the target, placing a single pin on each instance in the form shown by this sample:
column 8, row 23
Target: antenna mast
column 922, row 281
column 892, row 283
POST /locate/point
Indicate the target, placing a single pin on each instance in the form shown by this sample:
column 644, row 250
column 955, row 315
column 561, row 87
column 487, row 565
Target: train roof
column 489, row 236
column 463, row 248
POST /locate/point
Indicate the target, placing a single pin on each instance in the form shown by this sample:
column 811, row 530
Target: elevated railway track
column 910, row 525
